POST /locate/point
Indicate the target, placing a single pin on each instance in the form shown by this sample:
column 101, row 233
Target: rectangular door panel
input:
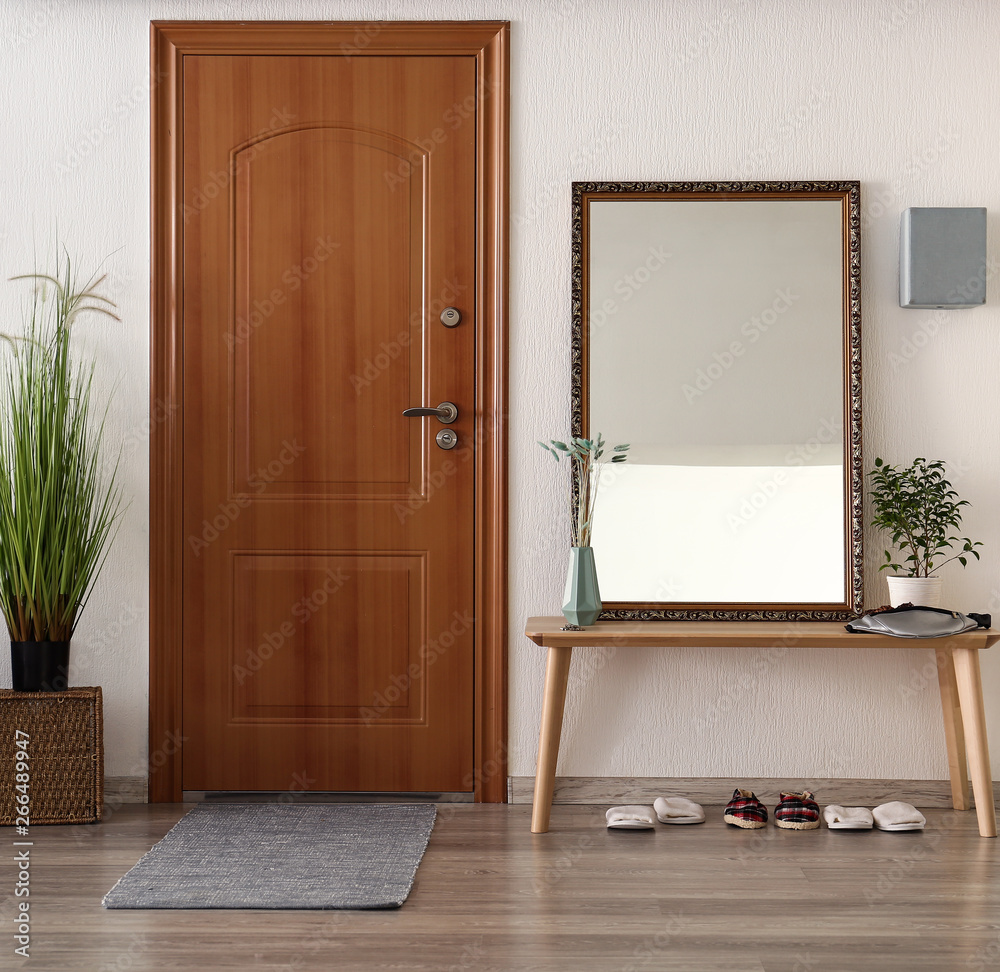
column 298, row 621
column 329, row 262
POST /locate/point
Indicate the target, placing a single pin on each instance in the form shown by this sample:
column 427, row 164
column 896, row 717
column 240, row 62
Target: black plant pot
column 39, row 666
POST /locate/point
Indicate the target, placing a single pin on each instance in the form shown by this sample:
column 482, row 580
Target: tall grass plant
column 59, row 507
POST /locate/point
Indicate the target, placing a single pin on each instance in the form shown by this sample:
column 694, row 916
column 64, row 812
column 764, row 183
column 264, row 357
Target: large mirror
column 716, row 328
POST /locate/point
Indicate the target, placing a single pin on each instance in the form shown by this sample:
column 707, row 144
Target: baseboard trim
column 125, row 789
column 716, row 791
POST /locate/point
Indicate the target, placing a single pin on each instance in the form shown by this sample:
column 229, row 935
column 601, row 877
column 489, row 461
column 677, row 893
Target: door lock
column 451, row 317
column 446, row 439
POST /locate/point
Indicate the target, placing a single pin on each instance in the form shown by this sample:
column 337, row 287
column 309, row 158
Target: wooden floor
column 491, row 896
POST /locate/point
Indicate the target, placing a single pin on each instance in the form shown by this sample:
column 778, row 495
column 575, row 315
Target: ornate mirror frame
column 848, row 192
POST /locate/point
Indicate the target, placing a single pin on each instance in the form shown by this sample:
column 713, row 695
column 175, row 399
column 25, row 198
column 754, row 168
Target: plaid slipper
column 746, row 811
column 797, row 811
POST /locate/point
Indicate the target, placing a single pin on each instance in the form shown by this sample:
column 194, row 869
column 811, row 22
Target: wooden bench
column 958, row 676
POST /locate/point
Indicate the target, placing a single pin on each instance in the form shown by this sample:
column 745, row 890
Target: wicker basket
column 65, row 753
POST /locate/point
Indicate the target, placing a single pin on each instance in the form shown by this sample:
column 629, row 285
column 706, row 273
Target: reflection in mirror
column 721, row 342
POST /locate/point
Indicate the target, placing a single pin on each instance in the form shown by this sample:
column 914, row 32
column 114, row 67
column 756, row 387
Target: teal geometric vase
column 583, row 598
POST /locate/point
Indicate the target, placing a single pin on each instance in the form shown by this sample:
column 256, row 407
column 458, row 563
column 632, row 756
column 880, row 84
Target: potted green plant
column 583, row 597
column 58, row 506
column 921, row 512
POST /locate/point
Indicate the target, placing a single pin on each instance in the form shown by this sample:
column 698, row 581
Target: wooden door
column 331, row 209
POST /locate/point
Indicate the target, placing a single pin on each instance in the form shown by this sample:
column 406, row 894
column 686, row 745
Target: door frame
column 170, row 41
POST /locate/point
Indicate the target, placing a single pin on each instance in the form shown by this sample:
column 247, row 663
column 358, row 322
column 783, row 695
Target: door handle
column 446, row 412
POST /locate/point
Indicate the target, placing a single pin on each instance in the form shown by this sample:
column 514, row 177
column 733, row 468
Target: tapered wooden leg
column 556, row 679
column 970, row 693
column 954, row 733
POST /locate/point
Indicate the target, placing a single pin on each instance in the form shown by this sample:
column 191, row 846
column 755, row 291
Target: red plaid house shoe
column 746, row 811
column 797, row 811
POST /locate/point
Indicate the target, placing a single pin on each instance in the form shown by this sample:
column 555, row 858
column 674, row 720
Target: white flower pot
column 925, row 591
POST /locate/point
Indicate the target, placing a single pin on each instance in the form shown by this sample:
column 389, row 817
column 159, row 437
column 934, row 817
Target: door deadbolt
column 451, row 317
column 446, row 439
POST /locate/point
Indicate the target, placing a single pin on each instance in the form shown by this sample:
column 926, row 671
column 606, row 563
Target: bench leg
column 954, row 733
column 556, row 679
column 970, row 693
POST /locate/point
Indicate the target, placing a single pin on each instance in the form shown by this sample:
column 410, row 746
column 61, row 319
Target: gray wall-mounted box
column 942, row 257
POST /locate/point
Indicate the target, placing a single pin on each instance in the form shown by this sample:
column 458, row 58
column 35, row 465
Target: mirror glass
column 717, row 336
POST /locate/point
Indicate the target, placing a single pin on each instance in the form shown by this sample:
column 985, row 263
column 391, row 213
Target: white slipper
column 847, row 818
column 678, row 810
column 631, row 818
column 898, row 816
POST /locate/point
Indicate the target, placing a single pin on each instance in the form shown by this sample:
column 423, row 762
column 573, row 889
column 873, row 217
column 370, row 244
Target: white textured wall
column 896, row 93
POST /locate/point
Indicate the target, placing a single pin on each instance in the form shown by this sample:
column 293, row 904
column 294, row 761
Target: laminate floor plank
column 491, row 897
